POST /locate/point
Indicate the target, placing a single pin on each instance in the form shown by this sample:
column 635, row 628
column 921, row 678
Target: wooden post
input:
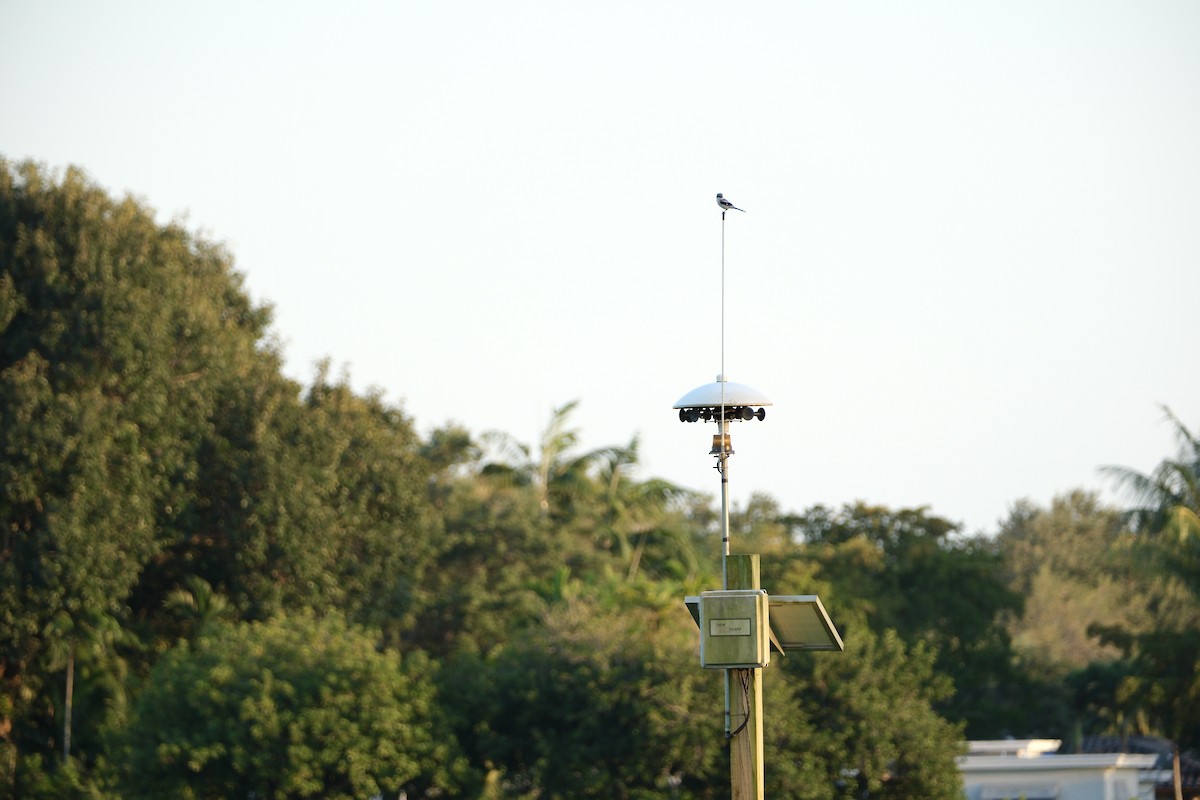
column 746, row 704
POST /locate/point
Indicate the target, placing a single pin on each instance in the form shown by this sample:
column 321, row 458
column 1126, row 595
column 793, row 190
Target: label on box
column 729, row 627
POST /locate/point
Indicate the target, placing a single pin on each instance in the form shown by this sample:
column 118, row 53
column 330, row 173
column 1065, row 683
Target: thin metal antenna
column 722, row 465
column 723, row 468
column 722, row 301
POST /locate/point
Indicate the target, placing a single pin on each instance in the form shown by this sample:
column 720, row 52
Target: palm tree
column 1166, row 512
column 559, row 476
column 1166, row 505
column 197, row 604
column 87, row 650
column 639, row 509
column 596, row 487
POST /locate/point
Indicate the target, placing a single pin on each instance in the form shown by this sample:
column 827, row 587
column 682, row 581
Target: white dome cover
column 709, row 395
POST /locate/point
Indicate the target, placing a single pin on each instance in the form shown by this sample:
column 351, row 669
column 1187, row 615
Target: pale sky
column 967, row 273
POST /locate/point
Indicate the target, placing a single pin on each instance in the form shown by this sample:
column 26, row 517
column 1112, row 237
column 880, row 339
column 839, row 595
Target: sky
column 966, row 274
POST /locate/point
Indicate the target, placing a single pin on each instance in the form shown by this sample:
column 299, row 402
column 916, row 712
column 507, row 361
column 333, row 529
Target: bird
column 726, row 205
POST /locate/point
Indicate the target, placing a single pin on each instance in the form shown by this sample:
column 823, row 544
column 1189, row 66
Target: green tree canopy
column 1160, row 692
column 290, row 708
column 908, row 571
column 188, row 540
column 149, row 444
column 1166, row 506
column 125, row 348
column 605, row 699
column 861, row 724
column 1065, row 561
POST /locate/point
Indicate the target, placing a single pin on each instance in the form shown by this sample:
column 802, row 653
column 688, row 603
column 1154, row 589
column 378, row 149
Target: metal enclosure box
column 734, row 629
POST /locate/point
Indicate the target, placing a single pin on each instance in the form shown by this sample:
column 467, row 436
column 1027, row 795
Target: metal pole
column 723, row 462
column 723, row 468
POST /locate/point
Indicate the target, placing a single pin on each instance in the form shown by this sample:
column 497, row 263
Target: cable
column 744, row 678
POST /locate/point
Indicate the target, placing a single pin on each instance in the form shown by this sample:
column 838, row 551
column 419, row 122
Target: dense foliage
column 216, row 582
column 293, row 707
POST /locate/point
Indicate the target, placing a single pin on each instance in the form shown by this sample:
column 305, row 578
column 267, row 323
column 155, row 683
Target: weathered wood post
column 746, row 707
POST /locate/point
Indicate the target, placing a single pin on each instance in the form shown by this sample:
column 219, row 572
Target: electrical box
column 734, row 629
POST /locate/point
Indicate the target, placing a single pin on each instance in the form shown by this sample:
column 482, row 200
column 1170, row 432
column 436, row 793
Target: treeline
column 215, row 582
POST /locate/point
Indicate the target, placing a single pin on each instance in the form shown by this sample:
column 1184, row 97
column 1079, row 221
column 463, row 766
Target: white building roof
column 1031, row 769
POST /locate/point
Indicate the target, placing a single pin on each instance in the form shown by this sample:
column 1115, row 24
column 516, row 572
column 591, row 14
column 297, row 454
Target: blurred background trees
column 217, row 582
column 297, row 706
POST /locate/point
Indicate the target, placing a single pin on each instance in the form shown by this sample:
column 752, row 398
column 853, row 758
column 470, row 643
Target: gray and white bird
column 726, row 205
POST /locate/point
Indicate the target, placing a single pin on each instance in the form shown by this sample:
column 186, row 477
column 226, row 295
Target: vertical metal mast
column 723, row 456
column 722, row 402
column 736, row 623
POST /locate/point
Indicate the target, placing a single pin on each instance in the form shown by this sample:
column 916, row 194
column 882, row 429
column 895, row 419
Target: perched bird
column 726, row 205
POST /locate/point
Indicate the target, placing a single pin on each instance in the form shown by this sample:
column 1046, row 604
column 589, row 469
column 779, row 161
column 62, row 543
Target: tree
column 494, row 543
column 557, row 474
column 122, row 343
column 294, row 707
column 1163, row 687
column 906, row 570
column 1166, row 506
column 861, row 724
column 197, row 606
column 347, row 519
column 518, row 530
column 641, row 513
column 148, row 443
column 1065, row 561
column 605, row 699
